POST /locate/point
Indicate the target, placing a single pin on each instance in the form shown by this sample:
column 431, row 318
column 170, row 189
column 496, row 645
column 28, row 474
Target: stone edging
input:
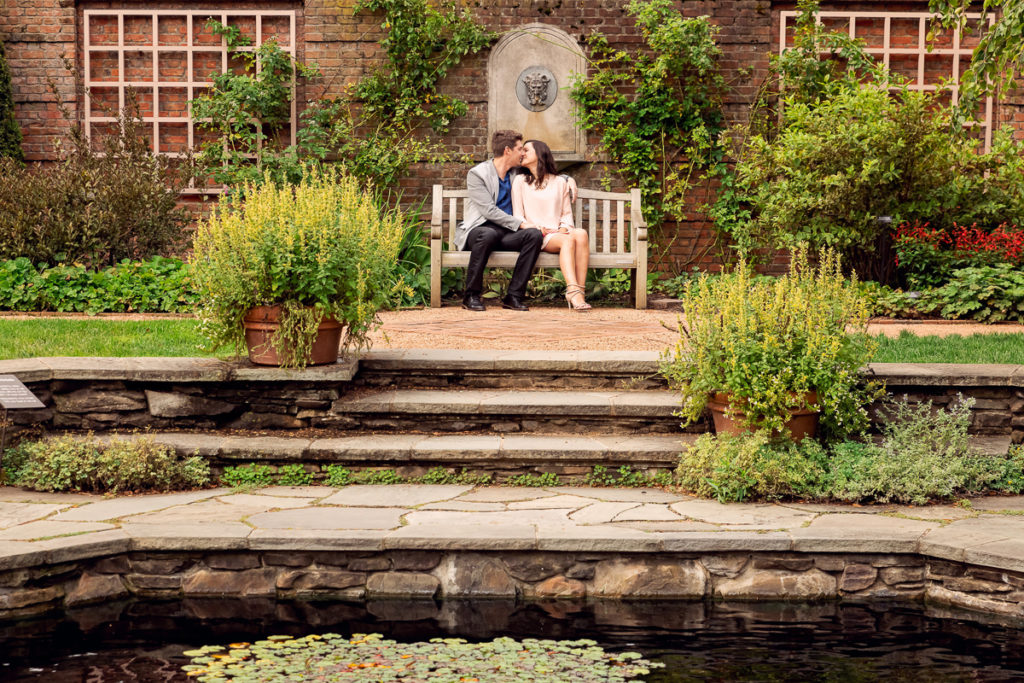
column 161, row 369
column 114, row 572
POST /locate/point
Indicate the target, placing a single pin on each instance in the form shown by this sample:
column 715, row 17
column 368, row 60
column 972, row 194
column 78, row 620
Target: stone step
column 414, row 454
column 497, row 410
column 546, row 369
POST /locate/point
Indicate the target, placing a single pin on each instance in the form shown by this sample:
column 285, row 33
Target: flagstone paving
column 990, row 531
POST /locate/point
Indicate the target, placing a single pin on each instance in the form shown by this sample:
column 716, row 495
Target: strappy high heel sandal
column 573, row 291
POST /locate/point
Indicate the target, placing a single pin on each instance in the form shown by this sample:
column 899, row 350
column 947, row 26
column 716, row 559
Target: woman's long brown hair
column 545, row 163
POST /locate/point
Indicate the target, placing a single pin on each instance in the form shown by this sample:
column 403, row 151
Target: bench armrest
column 636, row 216
column 436, row 227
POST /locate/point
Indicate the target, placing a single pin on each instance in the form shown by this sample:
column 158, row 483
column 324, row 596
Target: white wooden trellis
column 886, row 50
column 189, row 48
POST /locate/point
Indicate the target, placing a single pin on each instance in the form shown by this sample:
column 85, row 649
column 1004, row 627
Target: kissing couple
column 517, row 202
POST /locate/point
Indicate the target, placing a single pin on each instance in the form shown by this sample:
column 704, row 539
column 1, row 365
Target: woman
column 542, row 197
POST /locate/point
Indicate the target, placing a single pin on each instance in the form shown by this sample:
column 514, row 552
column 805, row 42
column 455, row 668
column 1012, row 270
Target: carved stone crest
column 536, row 88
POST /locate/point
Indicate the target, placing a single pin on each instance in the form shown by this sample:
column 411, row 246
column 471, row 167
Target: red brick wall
column 39, row 32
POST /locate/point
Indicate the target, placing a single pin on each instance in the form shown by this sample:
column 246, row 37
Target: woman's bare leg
column 565, row 247
column 582, row 255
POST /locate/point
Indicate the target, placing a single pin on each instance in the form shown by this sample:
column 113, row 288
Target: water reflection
column 143, row 641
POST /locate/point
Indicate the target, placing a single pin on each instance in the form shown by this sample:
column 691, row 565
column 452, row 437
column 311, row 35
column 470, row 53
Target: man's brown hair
column 502, row 139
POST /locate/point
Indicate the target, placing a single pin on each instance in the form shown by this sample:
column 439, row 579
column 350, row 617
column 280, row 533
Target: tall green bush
column 96, row 205
column 841, row 162
column 10, row 133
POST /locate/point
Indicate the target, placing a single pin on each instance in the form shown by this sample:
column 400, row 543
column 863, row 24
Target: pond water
column 144, row 641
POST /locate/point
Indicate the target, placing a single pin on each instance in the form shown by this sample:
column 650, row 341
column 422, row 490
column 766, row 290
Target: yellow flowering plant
column 325, row 248
column 767, row 342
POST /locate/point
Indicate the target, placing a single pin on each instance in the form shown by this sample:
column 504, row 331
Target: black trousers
column 484, row 239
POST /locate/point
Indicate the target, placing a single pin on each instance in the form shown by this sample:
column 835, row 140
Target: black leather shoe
column 514, row 303
column 473, row 302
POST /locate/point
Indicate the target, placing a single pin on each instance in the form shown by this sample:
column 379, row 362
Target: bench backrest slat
column 593, row 210
column 453, row 217
column 620, row 223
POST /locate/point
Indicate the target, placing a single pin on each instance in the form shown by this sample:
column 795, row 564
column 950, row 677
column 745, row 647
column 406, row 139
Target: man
column 489, row 224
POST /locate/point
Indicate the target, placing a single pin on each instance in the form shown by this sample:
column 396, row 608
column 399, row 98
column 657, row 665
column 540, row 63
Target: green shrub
column 10, row 132
column 293, row 475
column 252, row 475
column 94, row 206
column 839, row 163
column 1011, row 478
column 158, row 284
column 754, row 465
column 924, row 454
column 68, row 463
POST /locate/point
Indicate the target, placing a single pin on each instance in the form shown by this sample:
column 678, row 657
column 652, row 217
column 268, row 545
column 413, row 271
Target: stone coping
column 164, row 369
column 160, row 369
column 40, row 529
column 376, row 448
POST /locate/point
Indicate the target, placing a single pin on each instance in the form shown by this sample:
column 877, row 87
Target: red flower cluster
column 1004, row 242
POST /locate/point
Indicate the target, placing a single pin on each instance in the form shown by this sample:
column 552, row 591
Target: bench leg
column 640, row 283
column 435, row 273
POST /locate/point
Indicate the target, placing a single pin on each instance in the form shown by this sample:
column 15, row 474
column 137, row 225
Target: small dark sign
column 14, row 394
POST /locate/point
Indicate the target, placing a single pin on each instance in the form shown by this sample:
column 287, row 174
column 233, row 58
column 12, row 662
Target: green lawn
column 98, row 337
column 180, row 337
column 976, row 348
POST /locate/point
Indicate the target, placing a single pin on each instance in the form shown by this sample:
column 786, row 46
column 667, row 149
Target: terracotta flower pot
column 262, row 322
column 802, row 423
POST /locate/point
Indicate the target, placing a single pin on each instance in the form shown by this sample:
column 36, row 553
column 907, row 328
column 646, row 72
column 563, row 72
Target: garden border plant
column 74, row 463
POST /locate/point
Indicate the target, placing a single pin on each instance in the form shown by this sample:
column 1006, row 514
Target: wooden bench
column 614, row 241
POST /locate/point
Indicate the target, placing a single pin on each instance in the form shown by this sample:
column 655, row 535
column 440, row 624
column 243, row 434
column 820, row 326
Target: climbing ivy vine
column 10, row 133
column 657, row 109
column 374, row 128
column 999, row 55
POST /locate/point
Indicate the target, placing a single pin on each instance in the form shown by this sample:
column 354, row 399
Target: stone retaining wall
column 426, row 575
column 185, row 393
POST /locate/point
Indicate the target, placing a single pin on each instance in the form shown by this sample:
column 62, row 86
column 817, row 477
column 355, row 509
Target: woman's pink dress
column 549, row 206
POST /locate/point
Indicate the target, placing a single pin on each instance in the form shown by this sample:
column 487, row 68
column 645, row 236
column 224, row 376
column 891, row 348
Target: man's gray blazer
column 482, row 183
